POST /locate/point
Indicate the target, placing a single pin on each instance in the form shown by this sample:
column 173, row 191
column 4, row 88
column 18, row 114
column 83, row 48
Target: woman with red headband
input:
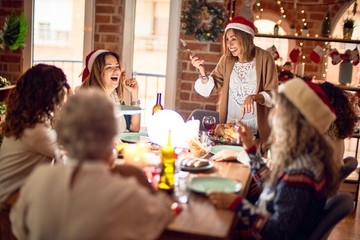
column 246, row 74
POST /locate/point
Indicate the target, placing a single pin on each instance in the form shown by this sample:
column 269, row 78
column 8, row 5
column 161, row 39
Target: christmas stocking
column 355, row 56
column 274, row 52
column 335, row 56
column 295, row 53
column 316, row 54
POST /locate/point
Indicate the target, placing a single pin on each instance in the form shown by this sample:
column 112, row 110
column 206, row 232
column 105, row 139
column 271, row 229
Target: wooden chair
column 336, row 208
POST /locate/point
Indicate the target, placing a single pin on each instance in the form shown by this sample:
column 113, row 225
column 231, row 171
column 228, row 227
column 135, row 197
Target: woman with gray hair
column 83, row 199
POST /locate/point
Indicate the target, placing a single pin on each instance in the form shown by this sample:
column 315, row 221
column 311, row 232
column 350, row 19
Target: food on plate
column 194, row 162
column 226, row 132
column 196, row 148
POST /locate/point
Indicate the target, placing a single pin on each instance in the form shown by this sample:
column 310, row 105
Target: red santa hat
column 89, row 61
column 242, row 24
column 311, row 101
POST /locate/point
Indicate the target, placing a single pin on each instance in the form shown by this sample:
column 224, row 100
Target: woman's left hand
column 225, row 155
column 131, row 85
column 222, row 199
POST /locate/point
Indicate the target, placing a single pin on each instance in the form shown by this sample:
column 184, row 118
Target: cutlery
column 186, row 47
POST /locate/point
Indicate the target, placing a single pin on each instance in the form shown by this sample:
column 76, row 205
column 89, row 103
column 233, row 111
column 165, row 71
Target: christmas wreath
column 203, row 19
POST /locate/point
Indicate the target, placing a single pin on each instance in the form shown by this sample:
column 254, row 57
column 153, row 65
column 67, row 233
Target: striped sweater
column 289, row 211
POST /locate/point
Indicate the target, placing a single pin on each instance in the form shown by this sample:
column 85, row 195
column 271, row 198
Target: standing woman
column 246, row 74
column 103, row 71
column 29, row 137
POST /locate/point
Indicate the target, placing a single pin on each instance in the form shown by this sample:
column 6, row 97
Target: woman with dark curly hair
column 346, row 118
column 29, row 137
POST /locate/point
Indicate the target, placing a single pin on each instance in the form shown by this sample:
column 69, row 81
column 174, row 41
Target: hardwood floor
column 349, row 227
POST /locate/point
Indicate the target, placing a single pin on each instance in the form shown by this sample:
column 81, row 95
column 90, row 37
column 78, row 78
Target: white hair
column 87, row 126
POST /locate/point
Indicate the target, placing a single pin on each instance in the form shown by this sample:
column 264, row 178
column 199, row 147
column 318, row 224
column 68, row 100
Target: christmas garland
column 203, row 19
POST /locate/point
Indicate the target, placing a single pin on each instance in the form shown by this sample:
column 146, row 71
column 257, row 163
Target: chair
column 336, row 208
column 200, row 113
column 350, row 165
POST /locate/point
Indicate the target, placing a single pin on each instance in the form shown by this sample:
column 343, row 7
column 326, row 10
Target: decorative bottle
column 157, row 106
column 168, row 158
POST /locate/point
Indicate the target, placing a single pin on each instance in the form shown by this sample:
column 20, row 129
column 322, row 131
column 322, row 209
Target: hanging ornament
column 295, row 53
column 316, row 54
column 274, row 52
column 335, row 56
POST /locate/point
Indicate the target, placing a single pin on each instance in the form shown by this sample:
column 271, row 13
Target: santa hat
column 89, row 61
column 242, row 24
column 311, row 101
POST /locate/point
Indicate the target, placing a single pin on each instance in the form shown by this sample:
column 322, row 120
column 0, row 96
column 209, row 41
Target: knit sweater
column 292, row 208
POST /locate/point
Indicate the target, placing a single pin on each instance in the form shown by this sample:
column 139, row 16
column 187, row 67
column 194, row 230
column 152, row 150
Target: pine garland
column 203, row 19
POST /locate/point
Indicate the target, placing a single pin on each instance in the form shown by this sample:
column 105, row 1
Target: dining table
column 199, row 218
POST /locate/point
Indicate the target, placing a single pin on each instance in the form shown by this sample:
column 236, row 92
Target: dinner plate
column 210, row 165
column 134, row 137
column 214, row 184
column 127, row 110
column 217, row 148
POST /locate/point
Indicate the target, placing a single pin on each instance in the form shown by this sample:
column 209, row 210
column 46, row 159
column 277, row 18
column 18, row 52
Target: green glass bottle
column 168, row 166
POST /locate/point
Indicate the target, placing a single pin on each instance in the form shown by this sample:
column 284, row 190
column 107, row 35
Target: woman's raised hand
column 131, row 85
column 198, row 63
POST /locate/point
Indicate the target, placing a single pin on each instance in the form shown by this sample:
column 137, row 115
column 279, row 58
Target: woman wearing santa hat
column 303, row 173
column 246, row 74
column 103, row 70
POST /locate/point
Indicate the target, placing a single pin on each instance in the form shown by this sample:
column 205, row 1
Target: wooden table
column 199, row 218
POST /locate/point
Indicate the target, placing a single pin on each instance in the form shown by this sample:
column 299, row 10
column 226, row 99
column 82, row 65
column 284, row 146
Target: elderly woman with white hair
column 83, row 199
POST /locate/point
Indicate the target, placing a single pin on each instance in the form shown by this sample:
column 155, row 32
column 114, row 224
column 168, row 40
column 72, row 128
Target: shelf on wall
column 320, row 39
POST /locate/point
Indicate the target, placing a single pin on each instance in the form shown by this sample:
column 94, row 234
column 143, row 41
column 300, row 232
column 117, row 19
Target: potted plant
column 348, row 27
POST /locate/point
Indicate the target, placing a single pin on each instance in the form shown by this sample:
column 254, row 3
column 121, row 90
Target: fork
column 186, row 47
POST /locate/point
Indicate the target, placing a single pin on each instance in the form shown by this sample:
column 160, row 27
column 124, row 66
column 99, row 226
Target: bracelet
column 136, row 102
column 203, row 77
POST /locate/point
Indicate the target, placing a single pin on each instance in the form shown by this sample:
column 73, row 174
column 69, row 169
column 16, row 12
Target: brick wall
column 109, row 35
column 188, row 99
column 10, row 61
column 109, row 25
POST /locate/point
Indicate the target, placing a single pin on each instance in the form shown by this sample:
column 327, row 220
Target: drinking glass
column 209, row 123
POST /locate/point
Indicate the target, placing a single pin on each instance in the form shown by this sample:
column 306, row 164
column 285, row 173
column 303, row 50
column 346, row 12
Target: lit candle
column 300, row 69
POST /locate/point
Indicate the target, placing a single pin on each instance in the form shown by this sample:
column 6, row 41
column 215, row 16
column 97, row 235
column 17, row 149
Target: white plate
column 210, row 165
column 127, row 110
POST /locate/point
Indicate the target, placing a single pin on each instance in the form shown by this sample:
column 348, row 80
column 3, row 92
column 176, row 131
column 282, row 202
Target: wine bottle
column 158, row 105
column 168, row 166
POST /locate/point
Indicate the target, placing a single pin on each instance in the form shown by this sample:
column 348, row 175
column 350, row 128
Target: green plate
column 218, row 148
column 134, row 137
column 127, row 110
column 214, row 184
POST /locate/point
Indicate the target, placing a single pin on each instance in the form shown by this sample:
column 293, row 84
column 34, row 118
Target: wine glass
column 209, row 123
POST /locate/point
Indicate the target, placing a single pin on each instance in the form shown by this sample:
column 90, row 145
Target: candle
column 300, row 69
column 192, row 129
